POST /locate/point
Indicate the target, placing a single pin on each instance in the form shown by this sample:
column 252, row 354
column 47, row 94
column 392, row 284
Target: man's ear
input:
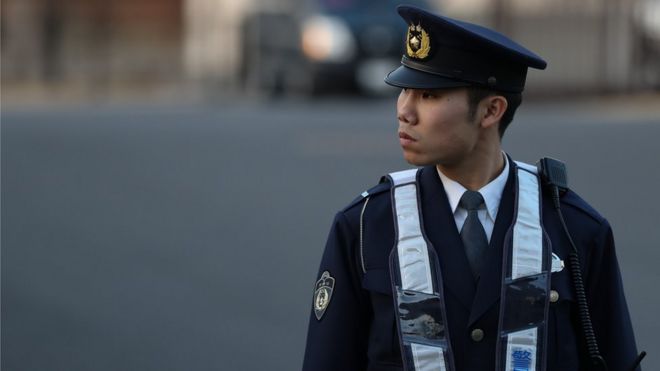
column 492, row 110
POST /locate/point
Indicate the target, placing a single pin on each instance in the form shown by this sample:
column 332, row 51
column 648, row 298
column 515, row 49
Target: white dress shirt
column 491, row 192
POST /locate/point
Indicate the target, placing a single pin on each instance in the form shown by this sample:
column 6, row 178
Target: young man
column 459, row 265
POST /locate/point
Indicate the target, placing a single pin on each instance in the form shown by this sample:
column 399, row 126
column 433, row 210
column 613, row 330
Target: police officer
column 463, row 263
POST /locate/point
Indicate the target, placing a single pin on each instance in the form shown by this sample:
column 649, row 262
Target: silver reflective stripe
column 526, row 260
column 526, row 166
column 521, row 350
column 403, row 177
column 527, row 254
column 427, row 358
column 415, row 268
column 414, row 264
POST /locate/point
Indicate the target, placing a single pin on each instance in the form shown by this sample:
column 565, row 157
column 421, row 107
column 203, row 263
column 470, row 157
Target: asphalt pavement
column 188, row 237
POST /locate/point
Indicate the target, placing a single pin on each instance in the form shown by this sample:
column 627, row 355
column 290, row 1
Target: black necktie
column 473, row 234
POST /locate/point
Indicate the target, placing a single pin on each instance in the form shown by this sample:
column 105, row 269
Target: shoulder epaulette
column 573, row 199
column 383, row 186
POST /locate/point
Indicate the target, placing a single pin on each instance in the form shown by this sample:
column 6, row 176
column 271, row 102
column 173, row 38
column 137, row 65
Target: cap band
column 467, row 67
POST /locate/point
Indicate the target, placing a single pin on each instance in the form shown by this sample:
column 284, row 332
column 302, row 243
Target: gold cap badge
column 418, row 43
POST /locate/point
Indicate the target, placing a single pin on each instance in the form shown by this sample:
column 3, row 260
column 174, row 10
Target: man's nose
column 406, row 112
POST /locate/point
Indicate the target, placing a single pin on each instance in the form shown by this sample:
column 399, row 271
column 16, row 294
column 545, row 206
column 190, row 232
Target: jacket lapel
column 490, row 283
column 440, row 229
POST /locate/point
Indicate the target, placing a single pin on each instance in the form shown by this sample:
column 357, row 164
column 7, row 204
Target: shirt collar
column 491, row 192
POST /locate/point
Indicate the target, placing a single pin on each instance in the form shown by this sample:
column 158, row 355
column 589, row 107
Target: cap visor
column 406, row 77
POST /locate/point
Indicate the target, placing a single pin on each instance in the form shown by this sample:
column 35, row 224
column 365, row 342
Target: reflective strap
column 427, row 358
column 414, row 264
column 403, row 177
column 527, row 254
column 414, row 268
column 531, row 168
column 523, row 347
column 521, row 350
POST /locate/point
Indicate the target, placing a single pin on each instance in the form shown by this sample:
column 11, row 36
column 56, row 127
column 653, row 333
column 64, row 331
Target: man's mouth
column 405, row 139
column 405, row 136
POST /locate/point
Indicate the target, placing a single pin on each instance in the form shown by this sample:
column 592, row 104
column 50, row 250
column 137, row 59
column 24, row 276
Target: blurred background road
column 170, row 168
column 188, row 238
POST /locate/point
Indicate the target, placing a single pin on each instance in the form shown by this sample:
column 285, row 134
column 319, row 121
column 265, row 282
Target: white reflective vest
column 417, row 282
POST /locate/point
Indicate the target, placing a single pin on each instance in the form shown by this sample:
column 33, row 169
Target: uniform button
column 477, row 334
column 554, row 296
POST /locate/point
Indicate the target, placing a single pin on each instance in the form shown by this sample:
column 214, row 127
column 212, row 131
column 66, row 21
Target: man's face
column 435, row 127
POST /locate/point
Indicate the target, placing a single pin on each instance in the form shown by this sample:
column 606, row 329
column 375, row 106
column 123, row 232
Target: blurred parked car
column 647, row 27
column 329, row 45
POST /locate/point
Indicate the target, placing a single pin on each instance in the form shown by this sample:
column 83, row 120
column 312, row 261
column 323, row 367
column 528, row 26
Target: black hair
column 477, row 93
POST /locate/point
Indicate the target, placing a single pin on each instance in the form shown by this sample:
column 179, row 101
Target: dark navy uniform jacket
column 358, row 330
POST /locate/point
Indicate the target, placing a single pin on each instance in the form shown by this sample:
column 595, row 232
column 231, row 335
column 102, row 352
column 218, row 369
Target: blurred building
column 591, row 45
column 95, row 43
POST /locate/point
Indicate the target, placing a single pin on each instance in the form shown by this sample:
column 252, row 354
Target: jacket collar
column 491, row 192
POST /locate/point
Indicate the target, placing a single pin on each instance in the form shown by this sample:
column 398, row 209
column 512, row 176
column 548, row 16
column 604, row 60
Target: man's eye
column 428, row 95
